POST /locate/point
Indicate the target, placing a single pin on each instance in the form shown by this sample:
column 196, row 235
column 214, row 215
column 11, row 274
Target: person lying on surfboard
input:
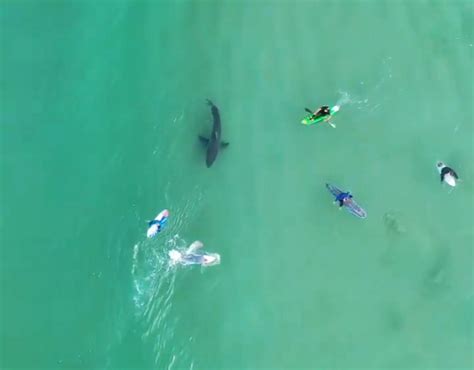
column 447, row 174
column 157, row 224
column 191, row 256
column 323, row 111
column 342, row 198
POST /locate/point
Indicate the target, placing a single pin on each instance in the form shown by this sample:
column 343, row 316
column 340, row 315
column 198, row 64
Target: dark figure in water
column 320, row 112
column 343, row 198
column 446, row 170
column 323, row 111
column 447, row 174
column 213, row 143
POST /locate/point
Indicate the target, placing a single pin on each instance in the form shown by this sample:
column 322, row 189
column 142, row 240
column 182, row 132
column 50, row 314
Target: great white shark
column 213, row 143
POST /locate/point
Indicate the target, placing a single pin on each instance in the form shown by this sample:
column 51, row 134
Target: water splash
column 344, row 99
column 374, row 98
column 348, row 99
column 154, row 288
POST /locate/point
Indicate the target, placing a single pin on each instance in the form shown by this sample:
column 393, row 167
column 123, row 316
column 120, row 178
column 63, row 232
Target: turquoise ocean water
column 101, row 106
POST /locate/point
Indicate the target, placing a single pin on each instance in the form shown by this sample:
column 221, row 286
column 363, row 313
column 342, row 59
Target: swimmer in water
column 192, row 257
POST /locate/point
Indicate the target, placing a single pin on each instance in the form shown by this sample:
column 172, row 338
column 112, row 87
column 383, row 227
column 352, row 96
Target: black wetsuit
column 322, row 112
column 447, row 170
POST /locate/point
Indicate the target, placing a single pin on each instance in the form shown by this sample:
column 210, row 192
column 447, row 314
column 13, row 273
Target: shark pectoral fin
column 224, row 144
column 204, row 140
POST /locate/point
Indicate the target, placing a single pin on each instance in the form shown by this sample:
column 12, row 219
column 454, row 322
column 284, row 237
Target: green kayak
column 309, row 121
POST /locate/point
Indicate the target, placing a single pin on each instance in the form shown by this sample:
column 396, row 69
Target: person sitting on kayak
column 343, row 198
column 323, row 111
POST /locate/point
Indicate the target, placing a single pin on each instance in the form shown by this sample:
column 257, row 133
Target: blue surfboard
column 350, row 204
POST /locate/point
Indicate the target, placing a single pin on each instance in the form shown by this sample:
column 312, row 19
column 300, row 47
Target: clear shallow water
column 102, row 103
